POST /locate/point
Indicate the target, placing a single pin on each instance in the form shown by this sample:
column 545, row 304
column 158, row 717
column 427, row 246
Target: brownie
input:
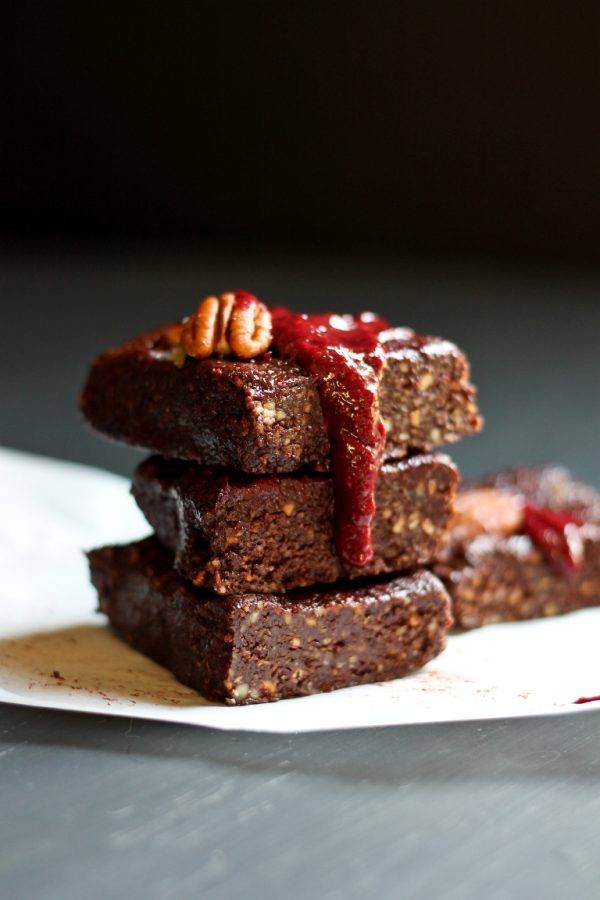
column 550, row 486
column 495, row 577
column 251, row 648
column 276, row 532
column 264, row 415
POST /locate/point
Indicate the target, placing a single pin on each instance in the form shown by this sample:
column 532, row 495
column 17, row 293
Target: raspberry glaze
column 557, row 536
column 345, row 357
column 245, row 300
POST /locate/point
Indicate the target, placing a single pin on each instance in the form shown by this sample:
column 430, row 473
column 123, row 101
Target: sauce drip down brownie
column 345, row 357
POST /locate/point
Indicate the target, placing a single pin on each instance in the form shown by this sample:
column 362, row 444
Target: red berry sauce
column 557, row 535
column 581, row 700
column 244, row 300
column 345, row 357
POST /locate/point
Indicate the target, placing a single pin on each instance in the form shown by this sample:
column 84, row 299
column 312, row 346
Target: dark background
column 454, row 127
column 436, row 162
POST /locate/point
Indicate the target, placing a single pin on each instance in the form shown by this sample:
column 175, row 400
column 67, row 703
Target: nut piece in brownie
column 276, row 532
column 264, row 415
column 525, row 543
column 252, row 648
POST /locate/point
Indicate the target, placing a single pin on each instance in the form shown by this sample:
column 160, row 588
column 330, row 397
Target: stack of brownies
column 294, row 480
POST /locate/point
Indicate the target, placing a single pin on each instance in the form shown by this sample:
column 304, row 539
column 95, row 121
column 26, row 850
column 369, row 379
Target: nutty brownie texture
column 264, row 415
column 276, row 532
column 252, row 648
column 498, row 578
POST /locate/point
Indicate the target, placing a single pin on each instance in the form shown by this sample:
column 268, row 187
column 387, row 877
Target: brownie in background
column 499, row 577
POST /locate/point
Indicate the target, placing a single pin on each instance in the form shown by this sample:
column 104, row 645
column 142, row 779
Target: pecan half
column 234, row 324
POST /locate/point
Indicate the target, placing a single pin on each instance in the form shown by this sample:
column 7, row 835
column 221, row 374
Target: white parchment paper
column 57, row 652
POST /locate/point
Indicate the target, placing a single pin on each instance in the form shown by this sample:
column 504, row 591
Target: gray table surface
column 106, row 807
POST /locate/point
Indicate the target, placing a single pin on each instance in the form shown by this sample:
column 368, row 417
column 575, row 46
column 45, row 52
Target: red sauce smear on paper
column 345, row 357
column 586, row 700
column 557, row 535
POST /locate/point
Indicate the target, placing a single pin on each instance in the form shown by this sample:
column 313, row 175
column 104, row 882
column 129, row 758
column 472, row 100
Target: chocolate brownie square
column 252, row 648
column 496, row 572
column 264, row 415
column 276, row 532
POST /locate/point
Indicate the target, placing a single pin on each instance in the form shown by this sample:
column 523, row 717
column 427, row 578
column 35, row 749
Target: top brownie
column 264, row 415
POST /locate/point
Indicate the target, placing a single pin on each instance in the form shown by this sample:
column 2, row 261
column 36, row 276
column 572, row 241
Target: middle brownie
column 276, row 533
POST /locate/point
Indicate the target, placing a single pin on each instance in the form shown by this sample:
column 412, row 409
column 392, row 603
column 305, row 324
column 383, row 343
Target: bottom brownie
column 496, row 571
column 252, row 648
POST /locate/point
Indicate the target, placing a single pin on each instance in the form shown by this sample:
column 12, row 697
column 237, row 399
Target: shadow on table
column 87, row 663
column 550, row 748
